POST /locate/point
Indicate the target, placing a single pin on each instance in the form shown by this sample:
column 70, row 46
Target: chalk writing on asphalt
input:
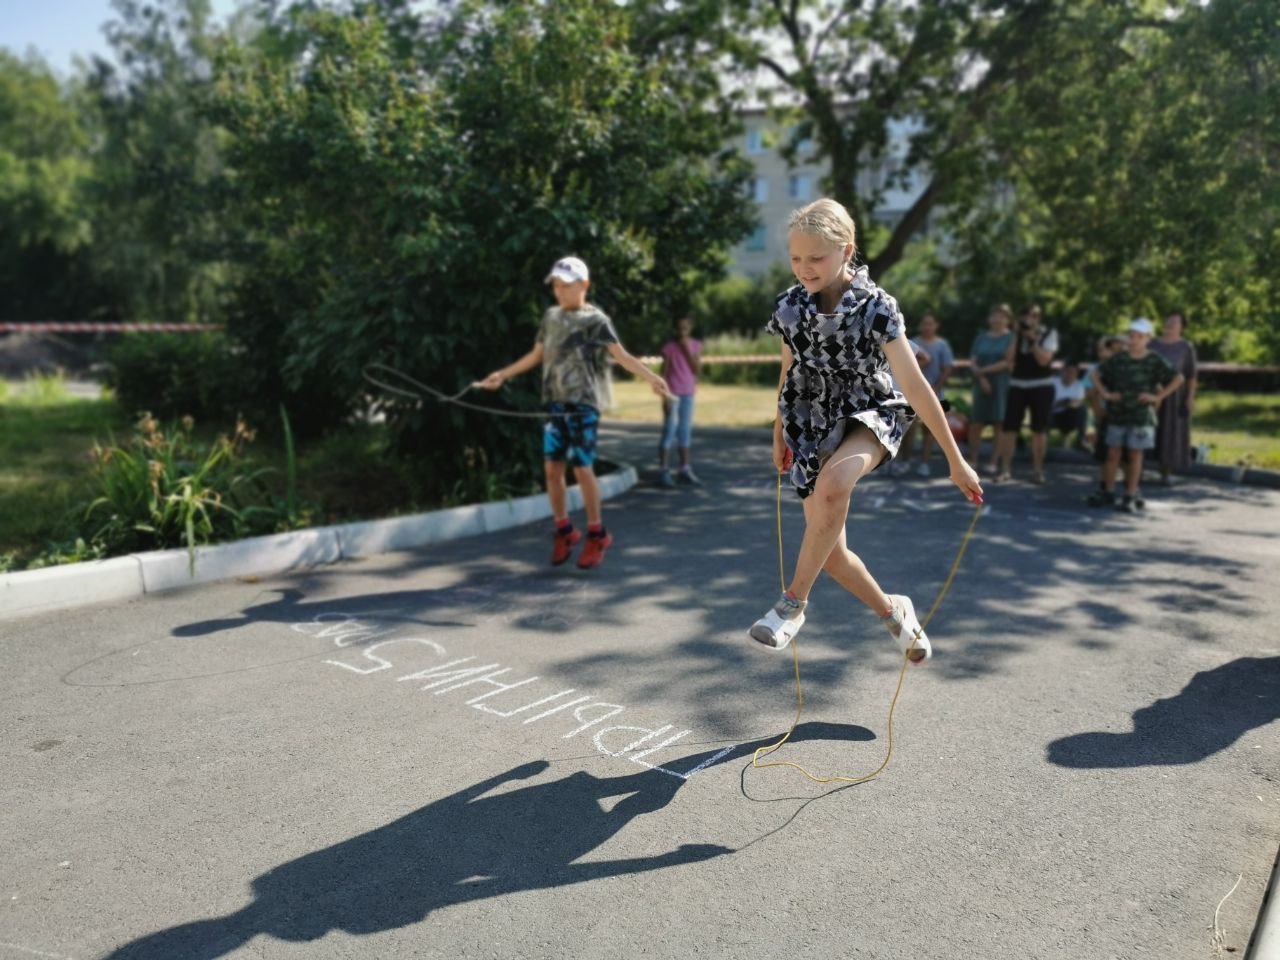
column 375, row 649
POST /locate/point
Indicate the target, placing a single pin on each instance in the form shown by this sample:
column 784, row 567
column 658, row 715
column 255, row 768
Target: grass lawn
column 1234, row 425
column 718, row 405
column 45, row 468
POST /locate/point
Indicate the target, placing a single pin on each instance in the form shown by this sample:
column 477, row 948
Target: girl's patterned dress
column 840, row 376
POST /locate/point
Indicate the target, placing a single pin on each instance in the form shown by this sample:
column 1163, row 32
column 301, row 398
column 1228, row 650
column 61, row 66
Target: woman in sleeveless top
column 1030, row 388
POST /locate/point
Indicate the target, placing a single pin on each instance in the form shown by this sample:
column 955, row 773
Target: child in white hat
column 571, row 346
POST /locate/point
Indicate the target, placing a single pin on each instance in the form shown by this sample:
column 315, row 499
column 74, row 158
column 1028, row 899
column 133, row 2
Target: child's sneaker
column 1100, row 498
column 593, row 552
column 905, row 628
column 665, row 480
column 1127, row 506
column 1139, row 502
column 686, row 475
column 777, row 628
column 563, row 544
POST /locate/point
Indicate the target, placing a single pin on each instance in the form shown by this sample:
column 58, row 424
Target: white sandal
column 909, row 635
column 776, row 631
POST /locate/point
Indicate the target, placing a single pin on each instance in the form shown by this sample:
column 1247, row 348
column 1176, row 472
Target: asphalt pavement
column 464, row 752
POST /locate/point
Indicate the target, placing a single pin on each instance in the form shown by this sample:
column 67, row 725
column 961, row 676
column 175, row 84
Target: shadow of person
column 1209, row 714
column 484, row 841
column 291, row 605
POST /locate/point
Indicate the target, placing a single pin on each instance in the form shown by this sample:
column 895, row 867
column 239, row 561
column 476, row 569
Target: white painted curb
column 1266, row 935
column 30, row 592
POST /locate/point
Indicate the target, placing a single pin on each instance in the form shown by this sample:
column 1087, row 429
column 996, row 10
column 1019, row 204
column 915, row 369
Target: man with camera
column 1030, row 388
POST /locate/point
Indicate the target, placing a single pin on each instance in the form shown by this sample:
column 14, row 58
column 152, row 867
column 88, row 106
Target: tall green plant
column 164, row 489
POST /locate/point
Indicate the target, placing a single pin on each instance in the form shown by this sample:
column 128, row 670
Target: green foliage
column 163, row 488
column 45, row 217
column 178, row 374
column 1137, row 172
column 738, row 304
column 412, row 221
column 480, row 483
column 159, row 225
column 44, row 390
column 66, row 551
column 290, row 470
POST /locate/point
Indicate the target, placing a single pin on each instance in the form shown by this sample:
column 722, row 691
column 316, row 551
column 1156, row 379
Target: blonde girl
column 840, row 417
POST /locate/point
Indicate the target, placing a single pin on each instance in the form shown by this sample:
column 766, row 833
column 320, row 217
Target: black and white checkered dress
column 840, row 376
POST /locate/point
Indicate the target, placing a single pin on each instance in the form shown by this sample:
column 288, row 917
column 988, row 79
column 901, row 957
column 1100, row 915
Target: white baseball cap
column 568, row 270
column 1142, row 325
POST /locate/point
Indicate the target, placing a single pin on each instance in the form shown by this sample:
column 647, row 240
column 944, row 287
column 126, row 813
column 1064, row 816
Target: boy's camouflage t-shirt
column 574, row 344
column 1131, row 378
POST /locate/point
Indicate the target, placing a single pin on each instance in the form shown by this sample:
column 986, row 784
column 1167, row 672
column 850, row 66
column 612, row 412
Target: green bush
column 728, row 344
column 165, row 489
column 174, row 375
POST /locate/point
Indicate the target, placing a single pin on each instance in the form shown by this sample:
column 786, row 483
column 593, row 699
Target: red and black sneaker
column 563, row 544
column 593, row 552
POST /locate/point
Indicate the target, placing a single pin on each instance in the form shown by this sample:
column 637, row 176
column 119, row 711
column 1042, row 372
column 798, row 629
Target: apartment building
column 778, row 188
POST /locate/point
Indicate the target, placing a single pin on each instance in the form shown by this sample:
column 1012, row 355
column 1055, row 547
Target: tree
column 1152, row 186
column 405, row 207
column 156, row 175
column 45, row 229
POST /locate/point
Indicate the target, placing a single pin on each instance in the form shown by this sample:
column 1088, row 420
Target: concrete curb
column 1246, row 476
column 1265, row 942
column 31, row 592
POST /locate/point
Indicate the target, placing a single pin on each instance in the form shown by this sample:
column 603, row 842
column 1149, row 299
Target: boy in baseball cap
column 1132, row 383
column 571, row 346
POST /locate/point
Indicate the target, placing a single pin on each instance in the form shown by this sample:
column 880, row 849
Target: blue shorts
column 570, row 433
column 1131, row 438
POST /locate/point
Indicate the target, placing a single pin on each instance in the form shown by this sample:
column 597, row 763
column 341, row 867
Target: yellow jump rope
column 795, row 657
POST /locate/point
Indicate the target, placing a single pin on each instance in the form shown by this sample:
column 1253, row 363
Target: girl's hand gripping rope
column 492, row 382
column 964, row 477
column 782, row 455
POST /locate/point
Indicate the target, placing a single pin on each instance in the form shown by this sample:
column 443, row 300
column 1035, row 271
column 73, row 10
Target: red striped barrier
column 107, row 327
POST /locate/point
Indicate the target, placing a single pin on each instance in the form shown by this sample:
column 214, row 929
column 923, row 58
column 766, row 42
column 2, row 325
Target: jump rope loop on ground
column 902, row 671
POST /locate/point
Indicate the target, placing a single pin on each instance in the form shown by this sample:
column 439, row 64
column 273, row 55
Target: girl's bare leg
column 847, row 569
column 556, row 488
column 826, row 509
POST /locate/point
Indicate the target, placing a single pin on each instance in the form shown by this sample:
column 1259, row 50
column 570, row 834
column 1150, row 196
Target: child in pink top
column 681, row 363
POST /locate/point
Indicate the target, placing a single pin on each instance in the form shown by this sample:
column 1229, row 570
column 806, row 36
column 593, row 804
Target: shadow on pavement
column 702, row 565
column 491, row 839
column 1209, row 714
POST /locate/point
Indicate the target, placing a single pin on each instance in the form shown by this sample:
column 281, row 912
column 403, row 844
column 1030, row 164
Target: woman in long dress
column 1173, row 432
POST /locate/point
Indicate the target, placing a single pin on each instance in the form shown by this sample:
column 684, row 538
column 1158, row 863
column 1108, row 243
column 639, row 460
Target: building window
column 758, row 189
column 799, row 187
column 804, row 145
column 755, row 140
column 756, row 241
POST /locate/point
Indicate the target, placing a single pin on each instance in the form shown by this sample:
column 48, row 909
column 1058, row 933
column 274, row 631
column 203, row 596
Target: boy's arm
column 530, row 360
column 1155, row 399
column 631, row 364
column 946, row 375
column 1103, row 392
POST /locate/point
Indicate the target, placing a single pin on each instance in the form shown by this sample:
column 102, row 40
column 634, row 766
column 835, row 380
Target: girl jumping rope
column 839, row 416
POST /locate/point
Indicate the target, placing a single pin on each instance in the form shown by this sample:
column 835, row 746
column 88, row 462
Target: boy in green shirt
column 1132, row 383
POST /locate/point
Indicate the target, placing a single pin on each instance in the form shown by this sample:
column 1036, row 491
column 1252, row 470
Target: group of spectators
column 1135, row 400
